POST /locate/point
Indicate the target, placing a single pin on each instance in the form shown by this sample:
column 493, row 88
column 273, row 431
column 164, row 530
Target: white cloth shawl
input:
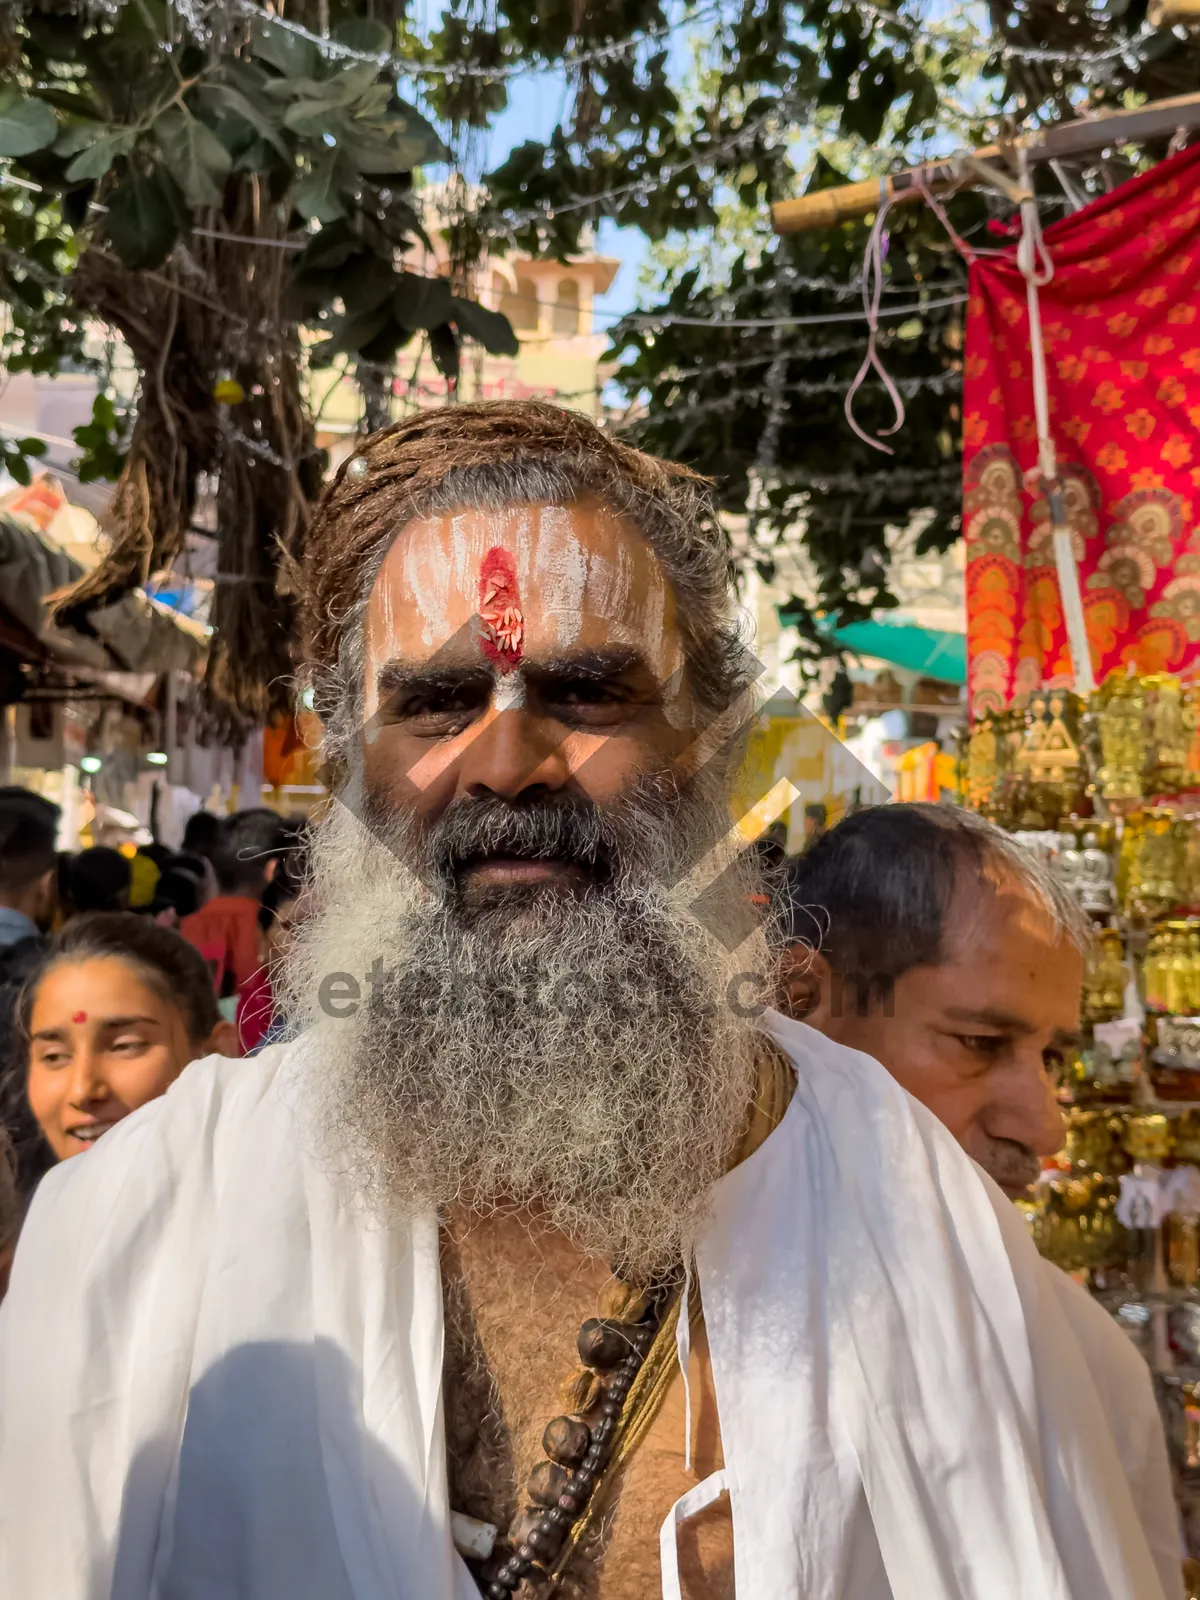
column 216, row 1384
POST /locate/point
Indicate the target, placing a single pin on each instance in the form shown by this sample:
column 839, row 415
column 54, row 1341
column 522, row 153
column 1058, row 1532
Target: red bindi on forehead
column 80, row 1016
column 502, row 635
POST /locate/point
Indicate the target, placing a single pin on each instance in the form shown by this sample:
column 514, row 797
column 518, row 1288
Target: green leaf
column 32, row 447
column 227, row 98
column 315, row 197
column 350, row 334
column 18, row 467
column 377, row 156
column 95, row 161
column 143, row 220
column 311, row 119
column 366, row 34
column 381, row 350
column 76, row 136
column 422, row 302
column 286, row 51
column 366, row 285
column 25, row 125
column 488, row 328
column 408, row 120
column 443, row 347
column 195, row 157
column 332, row 247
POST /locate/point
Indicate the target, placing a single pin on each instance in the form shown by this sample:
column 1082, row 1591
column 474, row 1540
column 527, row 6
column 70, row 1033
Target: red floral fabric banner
column 1121, row 323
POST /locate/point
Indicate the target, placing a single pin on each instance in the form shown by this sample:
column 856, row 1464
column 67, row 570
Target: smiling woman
column 112, row 1018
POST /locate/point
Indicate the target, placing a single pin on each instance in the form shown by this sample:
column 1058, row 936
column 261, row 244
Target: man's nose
column 512, row 752
column 1032, row 1111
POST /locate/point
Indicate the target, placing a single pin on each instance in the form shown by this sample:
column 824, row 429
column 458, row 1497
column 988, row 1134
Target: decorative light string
column 334, row 49
column 933, row 383
column 1018, row 52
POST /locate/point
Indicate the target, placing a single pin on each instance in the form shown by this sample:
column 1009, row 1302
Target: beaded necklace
column 629, row 1363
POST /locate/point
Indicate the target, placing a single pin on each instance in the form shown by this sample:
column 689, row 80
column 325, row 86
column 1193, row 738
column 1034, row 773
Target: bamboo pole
column 1162, row 13
column 1083, row 136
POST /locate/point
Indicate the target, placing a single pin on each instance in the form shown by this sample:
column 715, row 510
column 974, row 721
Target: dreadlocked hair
column 487, row 456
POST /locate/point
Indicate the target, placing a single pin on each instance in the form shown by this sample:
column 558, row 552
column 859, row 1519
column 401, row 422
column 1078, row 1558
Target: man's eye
column 983, row 1044
column 586, row 695
column 451, row 705
column 585, row 690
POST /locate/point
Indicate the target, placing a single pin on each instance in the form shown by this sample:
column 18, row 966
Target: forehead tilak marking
column 502, row 621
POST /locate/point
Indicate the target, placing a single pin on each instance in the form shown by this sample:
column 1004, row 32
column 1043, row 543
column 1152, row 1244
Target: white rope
column 1037, row 268
column 872, row 291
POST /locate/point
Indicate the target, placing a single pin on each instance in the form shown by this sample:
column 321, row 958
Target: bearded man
column 310, row 1325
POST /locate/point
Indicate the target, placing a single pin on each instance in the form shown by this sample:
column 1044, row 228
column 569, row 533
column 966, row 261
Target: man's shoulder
column 1120, row 1373
column 1100, row 1337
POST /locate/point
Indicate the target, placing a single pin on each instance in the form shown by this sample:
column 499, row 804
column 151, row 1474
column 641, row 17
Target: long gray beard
column 587, row 1059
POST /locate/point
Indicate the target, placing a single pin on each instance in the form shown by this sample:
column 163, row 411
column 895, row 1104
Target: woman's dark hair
column 166, row 960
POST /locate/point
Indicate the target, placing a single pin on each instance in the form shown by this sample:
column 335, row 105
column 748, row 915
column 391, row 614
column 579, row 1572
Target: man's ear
column 803, row 981
column 271, row 868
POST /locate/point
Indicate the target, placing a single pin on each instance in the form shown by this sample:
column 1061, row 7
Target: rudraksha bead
column 603, row 1343
column 546, row 1483
column 593, row 1459
column 566, row 1441
column 497, row 1590
column 611, row 1406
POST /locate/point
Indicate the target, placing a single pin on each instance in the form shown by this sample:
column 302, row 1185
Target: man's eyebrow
column 1067, row 1038
column 990, row 1017
column 397, row 677
column 599, row 665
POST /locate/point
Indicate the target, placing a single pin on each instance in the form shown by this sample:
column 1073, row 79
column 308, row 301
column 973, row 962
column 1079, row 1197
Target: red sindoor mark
column 502, row 637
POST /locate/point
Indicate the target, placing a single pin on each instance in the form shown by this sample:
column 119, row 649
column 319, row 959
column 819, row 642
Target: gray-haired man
column 927, row 938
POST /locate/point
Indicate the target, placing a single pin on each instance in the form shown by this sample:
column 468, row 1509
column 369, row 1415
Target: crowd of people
column 565, row 1077
column 119, row 967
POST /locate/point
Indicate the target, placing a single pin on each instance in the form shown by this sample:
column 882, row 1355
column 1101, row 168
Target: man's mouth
column 1013, row 1166
column 498, row 871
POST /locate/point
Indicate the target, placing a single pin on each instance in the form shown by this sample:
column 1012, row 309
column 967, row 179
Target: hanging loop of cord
column 876, row 255
column 921, row 184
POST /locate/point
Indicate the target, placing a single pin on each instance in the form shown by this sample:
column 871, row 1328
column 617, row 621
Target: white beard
column 576, row 1056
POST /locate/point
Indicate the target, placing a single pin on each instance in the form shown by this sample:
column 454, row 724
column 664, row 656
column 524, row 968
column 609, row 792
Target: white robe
column 217, row 1384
